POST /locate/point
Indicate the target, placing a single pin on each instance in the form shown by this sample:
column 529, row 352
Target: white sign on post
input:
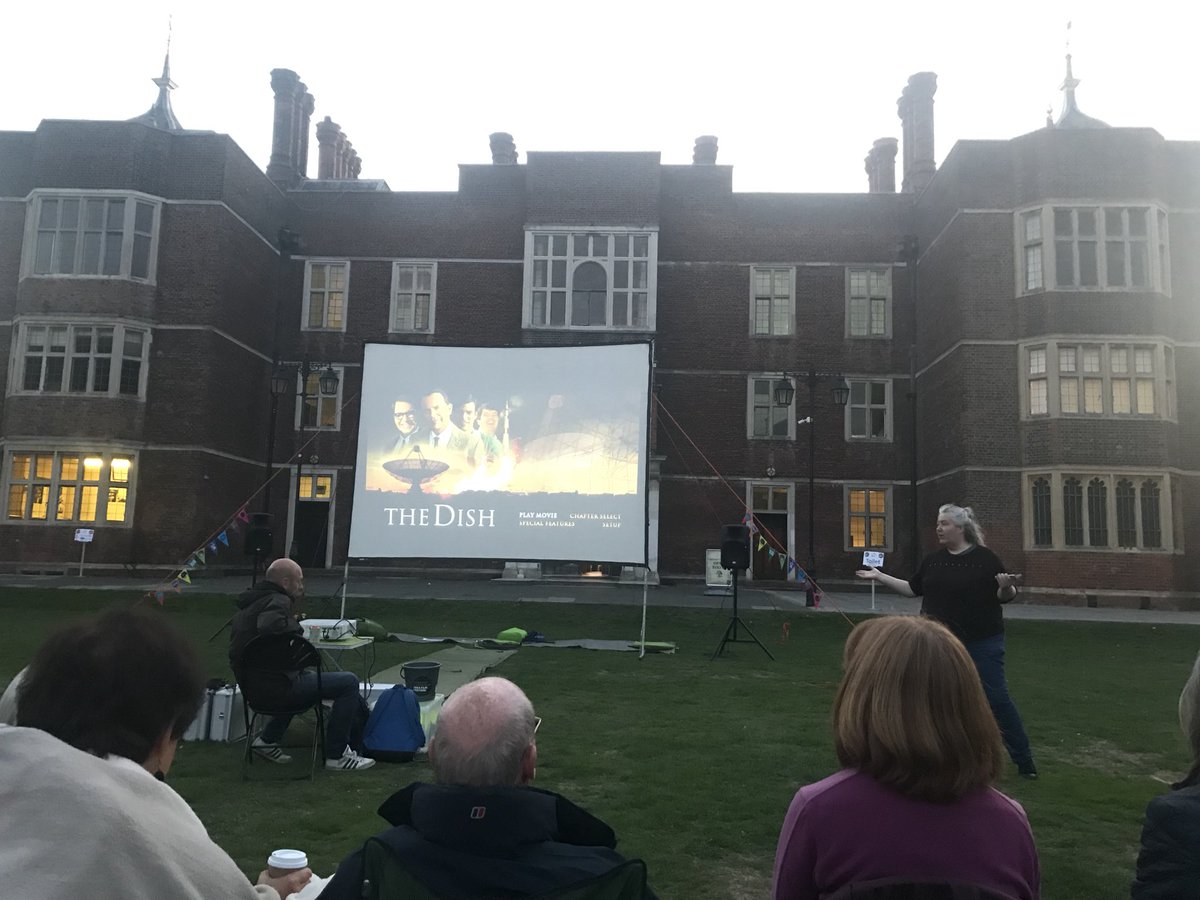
column 873, row 558
column 83, row 537
column 714, row 574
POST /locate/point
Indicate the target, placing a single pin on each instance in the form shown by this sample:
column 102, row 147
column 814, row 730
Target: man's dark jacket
column 263, row 609
column 1168, row 866
column 486, row 842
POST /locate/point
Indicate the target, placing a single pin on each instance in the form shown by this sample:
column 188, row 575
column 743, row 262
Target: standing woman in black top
column 962, row 586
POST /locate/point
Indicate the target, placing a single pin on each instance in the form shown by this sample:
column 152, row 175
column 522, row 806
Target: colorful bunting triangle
column 212, row 547
column 200, row 556
column 185, row 577
column 158, row 595
column 782, row 560
column 241, row 515
column 762, row 542
column 770, row 552
column 223, row 537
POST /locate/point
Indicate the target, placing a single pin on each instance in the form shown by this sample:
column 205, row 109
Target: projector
column 331, row 629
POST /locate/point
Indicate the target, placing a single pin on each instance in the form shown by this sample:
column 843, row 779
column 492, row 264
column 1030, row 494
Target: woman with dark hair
column 920, row 751
column 1168, row 865
column 963, row 585
column 86, row 813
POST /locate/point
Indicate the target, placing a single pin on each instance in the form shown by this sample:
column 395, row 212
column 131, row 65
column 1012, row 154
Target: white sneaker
column 349, row 762
column 269, row 751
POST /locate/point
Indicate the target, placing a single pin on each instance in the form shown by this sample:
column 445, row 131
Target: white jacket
column 73, row 825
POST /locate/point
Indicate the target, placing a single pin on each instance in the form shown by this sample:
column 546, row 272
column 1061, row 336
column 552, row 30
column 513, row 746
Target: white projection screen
column 535, row 453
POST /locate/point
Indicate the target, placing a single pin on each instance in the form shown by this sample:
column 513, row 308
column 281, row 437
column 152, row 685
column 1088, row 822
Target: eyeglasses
column 537, row 723
column 405, row 415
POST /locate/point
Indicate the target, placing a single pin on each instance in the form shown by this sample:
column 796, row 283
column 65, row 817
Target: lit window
column 1095, row 380
column 866, row 518
column 323, row 487
column 67, row 486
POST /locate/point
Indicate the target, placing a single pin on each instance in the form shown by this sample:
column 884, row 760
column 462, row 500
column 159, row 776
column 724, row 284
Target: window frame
column 335, row 399
column 1166, row 499
column 887, row 302
column 33, row 213
column 116, row 357
column 751, row 406
column 55, row 481
column 306, row 300
column 1156, row 240
column 888, row 408
column 1161, row 376
column 790, row 273
column 847, row 515
column 608, row 263
column 394, row 295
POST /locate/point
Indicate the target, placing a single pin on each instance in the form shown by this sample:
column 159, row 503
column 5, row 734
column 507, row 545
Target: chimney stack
column 307, row 105
column 327, row 135
column 915, row 108
column 705, row 151
column 504, row 149
column 881, row 167
column 283, row 169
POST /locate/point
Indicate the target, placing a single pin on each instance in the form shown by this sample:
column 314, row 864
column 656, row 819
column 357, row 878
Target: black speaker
column 258, row 535
column 735, row 547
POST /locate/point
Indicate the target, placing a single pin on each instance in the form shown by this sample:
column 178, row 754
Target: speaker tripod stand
column 731, row 630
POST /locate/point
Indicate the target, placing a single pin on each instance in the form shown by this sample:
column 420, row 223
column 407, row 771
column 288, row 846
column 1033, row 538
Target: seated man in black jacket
column 481, row 831
column 268, row 608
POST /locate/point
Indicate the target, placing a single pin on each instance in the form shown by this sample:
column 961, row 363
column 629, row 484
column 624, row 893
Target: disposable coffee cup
column 314, row 633
column 285, row 862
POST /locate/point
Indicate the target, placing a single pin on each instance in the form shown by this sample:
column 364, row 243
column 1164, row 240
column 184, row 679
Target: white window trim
column 1166, row 499
column 316, row 472
column 293, row 494
column 888, row 513
column 750, row 435
column 606, row 263
column 1163, row 398
column 791, row 270
column 337, row 398
column 1157, row 244
column 304, row 306
column 887, row 306
column 107, row 452
column 33, row 213
column 889, row 408
column 396, row 264
column 16, row 367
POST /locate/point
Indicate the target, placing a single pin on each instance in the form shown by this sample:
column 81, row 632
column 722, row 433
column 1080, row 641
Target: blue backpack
column 393, row 732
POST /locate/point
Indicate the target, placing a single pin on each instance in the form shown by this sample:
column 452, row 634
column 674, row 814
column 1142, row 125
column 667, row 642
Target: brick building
column 1017, row 330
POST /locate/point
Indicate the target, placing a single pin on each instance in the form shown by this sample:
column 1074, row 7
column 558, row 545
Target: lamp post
column 281, row 379
column 785, row 392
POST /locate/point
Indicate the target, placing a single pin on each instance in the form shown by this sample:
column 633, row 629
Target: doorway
column 770, row 549
column 313, row 517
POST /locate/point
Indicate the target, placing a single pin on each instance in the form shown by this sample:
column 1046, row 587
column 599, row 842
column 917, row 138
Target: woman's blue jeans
column 988, row 655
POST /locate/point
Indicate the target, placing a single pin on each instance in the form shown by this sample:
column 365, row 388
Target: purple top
column 849, row 828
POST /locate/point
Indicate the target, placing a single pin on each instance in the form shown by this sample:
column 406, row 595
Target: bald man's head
column 288, row 575
column 484, row 736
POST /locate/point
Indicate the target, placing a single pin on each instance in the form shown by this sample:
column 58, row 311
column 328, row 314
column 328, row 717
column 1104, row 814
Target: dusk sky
column 796, row 92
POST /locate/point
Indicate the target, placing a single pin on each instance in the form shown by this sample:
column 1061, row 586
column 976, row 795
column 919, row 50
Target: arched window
column 1073, row 512
column 1126, row 514
column 1097, row 501
column 589, row 295
column 1151, row 515
column 1043, row 535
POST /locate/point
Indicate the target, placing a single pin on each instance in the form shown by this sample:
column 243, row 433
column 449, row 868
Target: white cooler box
column 220, row 717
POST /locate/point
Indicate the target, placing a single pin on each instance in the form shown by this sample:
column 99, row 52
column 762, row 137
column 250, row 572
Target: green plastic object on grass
column 514, row 635
column 372, row 629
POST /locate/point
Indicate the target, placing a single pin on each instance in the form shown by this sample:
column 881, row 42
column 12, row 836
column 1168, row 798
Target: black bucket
column 421, row 677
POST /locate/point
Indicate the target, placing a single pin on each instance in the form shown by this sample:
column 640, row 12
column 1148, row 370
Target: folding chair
column 264, row 679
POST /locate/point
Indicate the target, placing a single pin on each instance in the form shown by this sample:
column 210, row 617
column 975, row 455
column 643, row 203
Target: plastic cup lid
column 288, row 859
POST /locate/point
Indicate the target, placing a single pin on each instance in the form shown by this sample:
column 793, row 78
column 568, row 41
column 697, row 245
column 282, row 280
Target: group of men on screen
column 432, row 425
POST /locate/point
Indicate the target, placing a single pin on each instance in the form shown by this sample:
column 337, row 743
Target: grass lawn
column 692, row 761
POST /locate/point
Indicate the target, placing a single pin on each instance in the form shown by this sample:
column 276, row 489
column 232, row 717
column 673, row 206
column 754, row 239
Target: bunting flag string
column 185, row 577
column 223, row 537
column 761, row 542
